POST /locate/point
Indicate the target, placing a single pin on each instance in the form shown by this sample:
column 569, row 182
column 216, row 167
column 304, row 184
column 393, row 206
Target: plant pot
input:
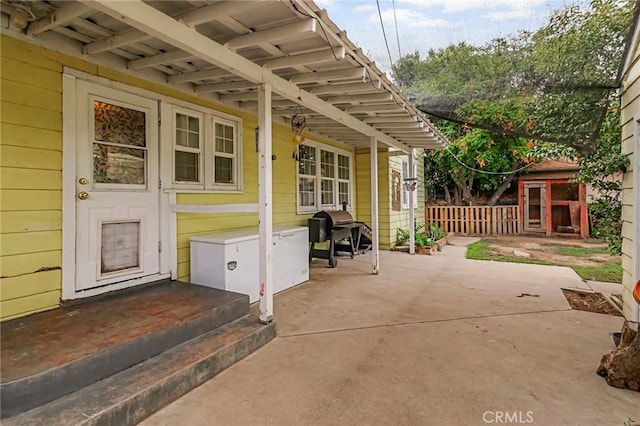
column 430, row 250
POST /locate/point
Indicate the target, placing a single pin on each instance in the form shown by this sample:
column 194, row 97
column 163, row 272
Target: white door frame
column 526, row 186
column 69, row 114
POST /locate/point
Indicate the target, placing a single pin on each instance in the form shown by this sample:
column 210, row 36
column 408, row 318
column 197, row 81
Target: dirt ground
column 545, row 248
column 590, row 302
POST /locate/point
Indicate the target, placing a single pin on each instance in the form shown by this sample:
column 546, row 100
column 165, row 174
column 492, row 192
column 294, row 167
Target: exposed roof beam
column 223, row 87
column 199, row 75
column 399, row 125
column 305, row 58
column 154, row 22
column 336, row 75
column 159, row 59
column 344, row 89
column 386, row 107
column 372, row 97
column 190, row 18
column 294, row 31
column 389, row 119
column 58, row 17
column 278, row 63
column 240, row 97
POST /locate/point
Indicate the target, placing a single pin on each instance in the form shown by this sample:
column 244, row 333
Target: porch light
column 636, row 292
column 20, row 15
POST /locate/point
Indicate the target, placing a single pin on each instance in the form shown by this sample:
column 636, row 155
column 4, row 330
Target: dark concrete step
column 130, row 396
column 51, row 354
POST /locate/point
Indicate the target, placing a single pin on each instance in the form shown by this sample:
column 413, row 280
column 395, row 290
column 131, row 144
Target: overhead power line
column 395, row 20
column 384, row 34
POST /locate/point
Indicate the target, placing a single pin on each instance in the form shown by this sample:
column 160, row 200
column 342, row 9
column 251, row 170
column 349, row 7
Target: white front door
column 117, row 196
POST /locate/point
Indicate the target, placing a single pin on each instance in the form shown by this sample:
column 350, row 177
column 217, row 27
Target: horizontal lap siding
column 31, row 175
column 630, row 107
column 363, row 192
column 30, row 180
column 284, row 194
column 400, row 219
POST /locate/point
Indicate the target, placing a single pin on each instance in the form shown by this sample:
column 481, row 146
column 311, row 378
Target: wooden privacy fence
column 479, row 220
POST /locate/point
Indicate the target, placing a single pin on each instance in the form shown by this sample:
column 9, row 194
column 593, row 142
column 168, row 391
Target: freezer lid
column 245, row 234
column 280, row 230
column 228, row 237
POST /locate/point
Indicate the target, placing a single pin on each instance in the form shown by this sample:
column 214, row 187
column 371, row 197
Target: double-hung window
column 405, row 192
column 225, row 154
column 324, row 178
column 206, row 150
column 188, row 145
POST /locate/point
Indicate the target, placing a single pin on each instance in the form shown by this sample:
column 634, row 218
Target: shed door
column 117, row 196
column 534, row 207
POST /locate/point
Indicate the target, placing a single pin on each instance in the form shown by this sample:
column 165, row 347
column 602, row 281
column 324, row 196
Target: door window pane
column 119, row 125
column 119, row 165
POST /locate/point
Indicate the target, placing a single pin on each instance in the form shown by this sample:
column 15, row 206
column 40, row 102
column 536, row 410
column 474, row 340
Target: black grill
column 334, row 226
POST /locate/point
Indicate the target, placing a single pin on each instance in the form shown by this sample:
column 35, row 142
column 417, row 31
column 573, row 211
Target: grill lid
column 335, row 217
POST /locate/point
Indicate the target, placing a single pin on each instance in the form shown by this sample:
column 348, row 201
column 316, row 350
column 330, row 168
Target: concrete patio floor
column 432, row 340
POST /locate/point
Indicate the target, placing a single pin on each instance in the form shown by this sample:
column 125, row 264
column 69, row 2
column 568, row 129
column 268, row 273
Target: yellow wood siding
column 400, row 219
column 363, row 193
column 30, row 180
column 630, row 107
column 31, row 177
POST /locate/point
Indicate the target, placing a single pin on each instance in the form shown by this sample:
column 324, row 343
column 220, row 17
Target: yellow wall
column 630, row 107
column 363, row 193
column 400, row 219
column 31, row 176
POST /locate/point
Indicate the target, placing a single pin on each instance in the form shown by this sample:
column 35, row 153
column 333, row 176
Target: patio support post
column 412, row 213
column 265, row 203
column 375, row 251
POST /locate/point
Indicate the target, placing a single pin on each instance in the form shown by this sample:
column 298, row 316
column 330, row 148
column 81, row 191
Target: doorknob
column 83, row 195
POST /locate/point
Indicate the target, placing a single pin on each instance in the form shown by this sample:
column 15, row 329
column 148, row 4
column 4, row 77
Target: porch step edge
column 24, row 394
column 130, row 396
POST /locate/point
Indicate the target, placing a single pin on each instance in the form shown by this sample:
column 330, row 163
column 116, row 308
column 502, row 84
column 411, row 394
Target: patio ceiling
column 223, row 50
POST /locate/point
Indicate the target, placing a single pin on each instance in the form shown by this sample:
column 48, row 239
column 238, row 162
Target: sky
column 433, row 24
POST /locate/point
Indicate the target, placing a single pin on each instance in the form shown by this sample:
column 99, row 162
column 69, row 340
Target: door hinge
column 159, row 246
column 159, row 184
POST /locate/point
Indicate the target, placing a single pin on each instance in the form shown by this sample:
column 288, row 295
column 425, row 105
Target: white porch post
column 412, row 213
column 375, row 251
column 265, row 203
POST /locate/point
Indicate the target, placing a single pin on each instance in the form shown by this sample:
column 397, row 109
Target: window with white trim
column 324, row 178
column 187, row 147
column 405, row 191
column 225, row 154
column 206, row 150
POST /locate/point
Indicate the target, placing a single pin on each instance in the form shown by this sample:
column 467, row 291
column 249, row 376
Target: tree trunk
column 621, row 368
column 503, row 186
column 457, row 198
column 447, row 195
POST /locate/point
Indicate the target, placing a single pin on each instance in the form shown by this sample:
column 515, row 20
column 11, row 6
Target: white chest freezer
column 229, row 260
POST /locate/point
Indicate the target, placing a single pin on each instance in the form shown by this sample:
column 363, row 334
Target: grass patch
column 479, row 251
column 607, row 271
column 581, row 251
column 610, row 272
